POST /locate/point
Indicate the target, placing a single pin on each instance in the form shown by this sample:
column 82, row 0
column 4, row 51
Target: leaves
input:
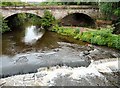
column 3, row 23
column 99, row 37
column 110, row 9
column 47, row 20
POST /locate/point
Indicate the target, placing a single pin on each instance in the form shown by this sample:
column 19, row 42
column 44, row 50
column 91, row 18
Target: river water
column 26, row 49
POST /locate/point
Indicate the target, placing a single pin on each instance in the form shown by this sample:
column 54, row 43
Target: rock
column 89, row 57
column 95, row 51
column 115, row 55
column 81, row 54
column 56, row 50
column 86, row 52
column 21, row 59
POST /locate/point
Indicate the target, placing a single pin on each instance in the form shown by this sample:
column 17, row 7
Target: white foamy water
column 77, row 73
column 91, row 74
column 106, row 65
column 32, row 35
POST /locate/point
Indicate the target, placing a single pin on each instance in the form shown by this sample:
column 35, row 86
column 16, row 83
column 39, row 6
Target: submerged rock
column 22, row 59
column 86, row 52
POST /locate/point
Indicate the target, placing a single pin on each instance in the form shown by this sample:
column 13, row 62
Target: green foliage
column 35, row 20
column 62, row 2
column 47, row 20
column 18, row 3
column 110, row 9
column 50, row 3
column 64, row 31
column 106, row 8
column 102, row 37
column 77, row 30
column 114, row 41
column 4, row 27
column 22, row 17
column 117, row 11
column 99, row 37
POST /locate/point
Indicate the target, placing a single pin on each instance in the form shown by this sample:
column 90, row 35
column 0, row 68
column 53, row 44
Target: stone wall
column 58, row 11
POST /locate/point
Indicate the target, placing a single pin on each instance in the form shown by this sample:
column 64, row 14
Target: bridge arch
column 77, row 19
column 14, row 20
column 14, row 14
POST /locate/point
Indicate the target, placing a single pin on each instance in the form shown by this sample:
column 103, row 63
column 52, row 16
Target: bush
column 99, row 37
column 114, row 41
column 102, row 37
column 64, row 31
column 47, row 20
column 4, row 27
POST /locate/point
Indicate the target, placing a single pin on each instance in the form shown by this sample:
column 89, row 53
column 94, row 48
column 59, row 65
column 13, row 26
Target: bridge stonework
column 58, row 11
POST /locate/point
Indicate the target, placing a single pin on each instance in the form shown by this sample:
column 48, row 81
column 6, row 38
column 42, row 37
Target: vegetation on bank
column 3, row 25
column 3, row 3
column 98, row 37
column 47, row 20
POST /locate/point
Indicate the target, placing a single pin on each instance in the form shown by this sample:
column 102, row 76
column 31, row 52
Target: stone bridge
column 58, row 11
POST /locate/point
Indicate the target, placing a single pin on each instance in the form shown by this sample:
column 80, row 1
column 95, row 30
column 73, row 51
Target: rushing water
column 32, row 35
column 67, row 76
column 26, row 49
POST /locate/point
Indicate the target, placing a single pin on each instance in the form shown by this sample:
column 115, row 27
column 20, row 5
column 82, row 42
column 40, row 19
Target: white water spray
column 86, row 76
column 32, row 35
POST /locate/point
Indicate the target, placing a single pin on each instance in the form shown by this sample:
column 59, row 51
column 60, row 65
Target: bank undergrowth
column 3, row 25
column 98, row 37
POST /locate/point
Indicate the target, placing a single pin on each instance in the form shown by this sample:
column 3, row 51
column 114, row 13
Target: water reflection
column 29, row 38
column 32, row 34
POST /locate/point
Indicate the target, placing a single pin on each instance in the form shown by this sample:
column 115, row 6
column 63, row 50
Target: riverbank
column 102, row 36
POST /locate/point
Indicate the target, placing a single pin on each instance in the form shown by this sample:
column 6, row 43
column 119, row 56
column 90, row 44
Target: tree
column 110, row 9
column 47, row 20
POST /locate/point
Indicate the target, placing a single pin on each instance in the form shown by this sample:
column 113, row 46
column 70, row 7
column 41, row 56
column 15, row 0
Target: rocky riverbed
column 98, row 73
column 67, row 65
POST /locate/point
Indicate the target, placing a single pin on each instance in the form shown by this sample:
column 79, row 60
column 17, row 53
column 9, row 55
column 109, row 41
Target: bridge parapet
column 58, row 11
column 51, row 7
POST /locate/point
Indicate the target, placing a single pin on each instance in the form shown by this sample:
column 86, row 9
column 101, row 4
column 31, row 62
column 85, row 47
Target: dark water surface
column 12, row 42
column 23, row 50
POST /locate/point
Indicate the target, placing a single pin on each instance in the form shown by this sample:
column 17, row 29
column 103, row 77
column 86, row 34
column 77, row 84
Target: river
column 25, row 49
